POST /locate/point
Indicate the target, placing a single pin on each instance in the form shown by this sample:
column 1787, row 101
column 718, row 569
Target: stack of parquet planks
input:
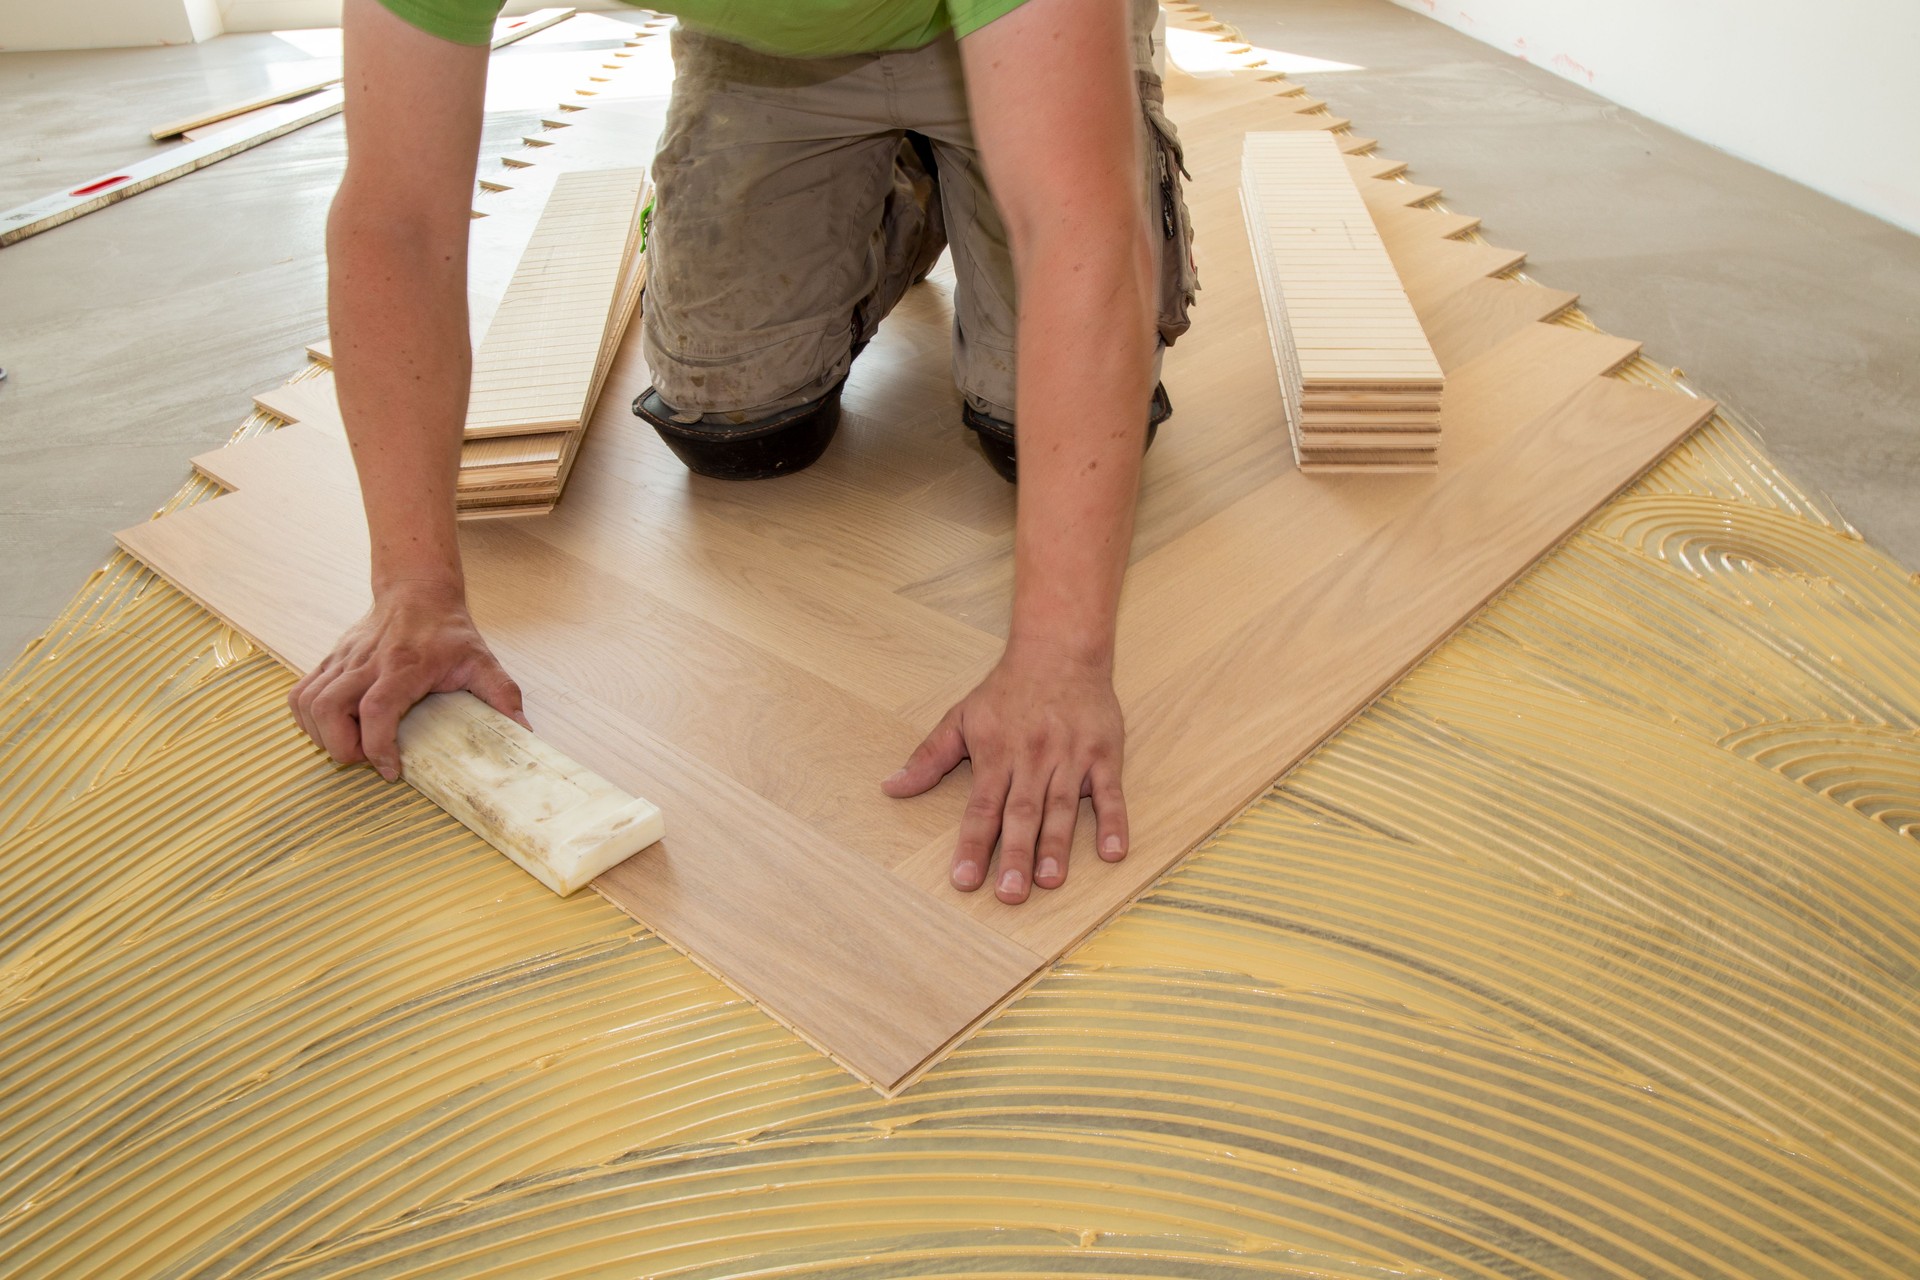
column 1358, row 378
column 539, row 370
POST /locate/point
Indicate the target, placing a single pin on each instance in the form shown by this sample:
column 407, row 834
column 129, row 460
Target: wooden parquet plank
column 1394, row 219
column 214, row 115
column 1173, row 601
column 647, row 720
column 1285, row 675
column 1485, row 313
column 212, row 144
column 865, row 639
column 536, row 368
column 1347, row 345
column 310, row 400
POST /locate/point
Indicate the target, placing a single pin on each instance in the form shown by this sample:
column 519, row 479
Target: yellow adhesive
column 1589, row 950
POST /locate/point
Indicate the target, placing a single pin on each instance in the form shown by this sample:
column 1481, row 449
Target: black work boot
column 785, row 442
column 996, row 437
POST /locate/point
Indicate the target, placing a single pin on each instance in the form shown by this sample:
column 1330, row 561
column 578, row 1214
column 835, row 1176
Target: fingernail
column 1112, row 845
column 1011, row 882
column 897, row 775
column 967, row 876
column 390, row 773
column 1049, row 868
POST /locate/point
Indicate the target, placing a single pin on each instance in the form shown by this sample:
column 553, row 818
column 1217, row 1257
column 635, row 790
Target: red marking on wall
column 1520, row 49
column 94, row 188
column 1571, row 67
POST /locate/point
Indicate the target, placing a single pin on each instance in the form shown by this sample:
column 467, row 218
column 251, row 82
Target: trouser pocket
column 1179, row 277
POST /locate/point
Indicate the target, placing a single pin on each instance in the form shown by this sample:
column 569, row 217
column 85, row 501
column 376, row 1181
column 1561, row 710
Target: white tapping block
column 562, row 823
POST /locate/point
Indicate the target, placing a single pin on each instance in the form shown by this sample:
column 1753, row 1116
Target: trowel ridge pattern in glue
column 1589, row 950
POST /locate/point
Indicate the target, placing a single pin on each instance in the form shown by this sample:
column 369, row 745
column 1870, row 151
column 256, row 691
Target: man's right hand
column 416, row 640
column 397, row 300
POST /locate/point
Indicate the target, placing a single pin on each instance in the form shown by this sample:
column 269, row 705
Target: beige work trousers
column 798, row 199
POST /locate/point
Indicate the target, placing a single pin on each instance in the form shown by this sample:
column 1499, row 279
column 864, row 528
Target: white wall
column 105, row 24
column 1827, row 92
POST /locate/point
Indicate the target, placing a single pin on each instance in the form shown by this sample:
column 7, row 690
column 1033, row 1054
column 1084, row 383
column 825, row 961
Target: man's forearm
column 1085, row 360
column 397, row 282
column 397, row 302
column 1056, row 110
column 398, row 309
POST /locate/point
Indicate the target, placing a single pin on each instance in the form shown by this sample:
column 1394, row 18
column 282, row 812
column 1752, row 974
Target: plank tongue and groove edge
column 262, row 126
column 754, row 659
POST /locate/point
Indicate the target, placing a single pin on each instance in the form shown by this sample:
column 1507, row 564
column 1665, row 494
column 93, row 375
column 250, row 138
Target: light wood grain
column 537, row 365
column 754, row 658
column 1347, row 629
column 1484, row 312
column 540, row 369
column 309, row 400
column 1347, row 346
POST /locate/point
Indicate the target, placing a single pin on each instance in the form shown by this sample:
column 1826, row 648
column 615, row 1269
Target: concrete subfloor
column 1800, row 313
column 134, row 337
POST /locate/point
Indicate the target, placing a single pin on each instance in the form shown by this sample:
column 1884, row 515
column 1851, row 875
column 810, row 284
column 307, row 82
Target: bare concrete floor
column 134, row 337
column 1801, row 313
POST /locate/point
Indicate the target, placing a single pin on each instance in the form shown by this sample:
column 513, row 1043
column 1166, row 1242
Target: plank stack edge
column 539, row 370
column 1358, row 379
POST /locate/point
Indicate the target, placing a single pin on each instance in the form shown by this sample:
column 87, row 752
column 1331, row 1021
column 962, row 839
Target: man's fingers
column 301, row 697
column 1109, row 812
column 296, row 703
column 335, row 710
column 1020, row 831
column 1056, row 832
column 496, row 688
column 931, row 761
column 979, row 828
column 381, row 707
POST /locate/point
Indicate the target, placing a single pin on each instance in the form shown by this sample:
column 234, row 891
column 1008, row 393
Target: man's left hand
column 1042, row 730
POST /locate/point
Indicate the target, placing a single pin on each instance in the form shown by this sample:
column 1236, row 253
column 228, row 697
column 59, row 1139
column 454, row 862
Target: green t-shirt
column 793, row 28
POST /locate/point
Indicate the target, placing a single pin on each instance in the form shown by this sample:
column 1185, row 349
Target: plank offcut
column 214, row 115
